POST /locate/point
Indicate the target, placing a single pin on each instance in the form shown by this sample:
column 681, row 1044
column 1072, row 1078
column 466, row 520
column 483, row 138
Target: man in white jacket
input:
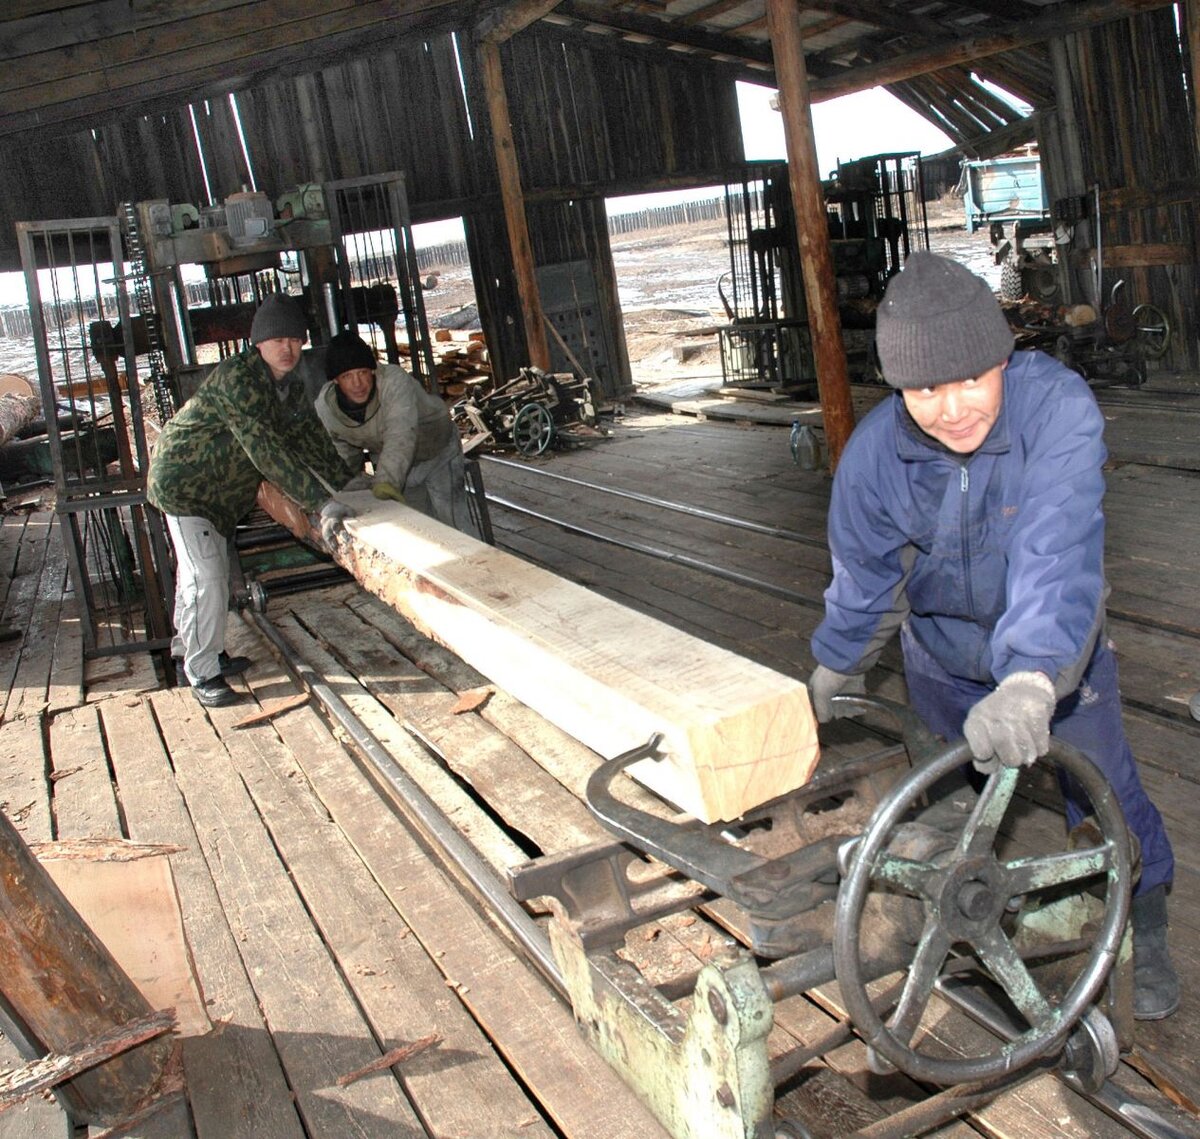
column 380, row 411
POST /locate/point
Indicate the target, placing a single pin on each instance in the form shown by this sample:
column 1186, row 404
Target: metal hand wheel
column 532, row 429
column 965, row 896
column 1152, row 330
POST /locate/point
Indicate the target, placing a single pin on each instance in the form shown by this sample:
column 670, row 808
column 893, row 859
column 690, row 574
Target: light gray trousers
column 201, row 594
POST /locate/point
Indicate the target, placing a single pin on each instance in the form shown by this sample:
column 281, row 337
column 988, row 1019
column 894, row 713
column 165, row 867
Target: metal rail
column 665, row 555
column 423, row 813
column 668, row 504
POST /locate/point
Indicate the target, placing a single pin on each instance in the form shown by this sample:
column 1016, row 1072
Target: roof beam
column 1061, row 21
column 502, row 23
column 660, row 30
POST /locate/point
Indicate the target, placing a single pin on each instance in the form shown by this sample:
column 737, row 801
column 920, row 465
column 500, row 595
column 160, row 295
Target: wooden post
column 65, row 988
column 1192, row 16
column 812, row 228
column 514, row 205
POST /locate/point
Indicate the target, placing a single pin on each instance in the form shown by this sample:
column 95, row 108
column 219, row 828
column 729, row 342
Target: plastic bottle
column 806, row 451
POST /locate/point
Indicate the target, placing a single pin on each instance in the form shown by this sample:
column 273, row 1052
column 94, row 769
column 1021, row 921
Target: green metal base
column 701, row 1072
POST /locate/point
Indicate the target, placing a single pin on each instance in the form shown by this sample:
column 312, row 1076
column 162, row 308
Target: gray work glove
column 825, row 684
column 332, row 519
column 1012, row 724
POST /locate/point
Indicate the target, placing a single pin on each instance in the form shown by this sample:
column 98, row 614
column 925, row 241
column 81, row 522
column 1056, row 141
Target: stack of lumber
column 458, row 357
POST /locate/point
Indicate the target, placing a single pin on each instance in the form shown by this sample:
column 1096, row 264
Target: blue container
column 1004, row 190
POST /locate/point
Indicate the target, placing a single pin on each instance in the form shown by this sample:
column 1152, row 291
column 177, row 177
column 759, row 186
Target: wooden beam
column 502, row 23
column 136, row 58
column 735, row 734
column 180, row 86
column 65, row 988
column 1061, row 21
column 514, row 206
column 812, row 226
column 1141, row 256
column 889, row 17
column 665, row 31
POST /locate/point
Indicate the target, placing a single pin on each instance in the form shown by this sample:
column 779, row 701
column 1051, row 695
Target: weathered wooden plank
column 531, row 802
column 468, row 818
column 20, row 602
column 32, row 679
column 66, row 669
column 529, row 1026
column 459, row 1087
column 24, row 788
column 734, row 733
column 235, row 1085
column 315, row 1024
column 85, row 803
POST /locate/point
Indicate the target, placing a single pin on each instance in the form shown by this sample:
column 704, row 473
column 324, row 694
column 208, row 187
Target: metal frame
column 357, row 207
column 117, row 553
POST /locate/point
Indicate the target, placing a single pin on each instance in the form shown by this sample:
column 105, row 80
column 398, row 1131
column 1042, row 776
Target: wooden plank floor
column 325, row 931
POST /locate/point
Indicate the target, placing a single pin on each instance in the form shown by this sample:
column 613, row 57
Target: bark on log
column 16, row 413
column 65, row 988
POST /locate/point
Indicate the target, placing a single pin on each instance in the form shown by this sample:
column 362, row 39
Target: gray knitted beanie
column 939, row 322
column 278, row 317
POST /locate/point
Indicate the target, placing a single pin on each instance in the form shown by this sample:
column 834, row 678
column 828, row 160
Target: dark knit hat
column 938, row 322
column 347, row 351
column 278, row 317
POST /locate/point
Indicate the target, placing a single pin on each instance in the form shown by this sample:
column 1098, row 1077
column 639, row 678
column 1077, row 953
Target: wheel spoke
column 906, row 874
column 1028, row 874
column 1006, row 966
column 926, row 965
column 979, row 833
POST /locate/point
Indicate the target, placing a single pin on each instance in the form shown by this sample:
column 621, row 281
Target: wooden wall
column 587, row 115
column 1135, row 137
column 590, row 118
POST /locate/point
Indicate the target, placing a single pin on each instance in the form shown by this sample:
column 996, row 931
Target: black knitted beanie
column 347, row 351
column 938, row 322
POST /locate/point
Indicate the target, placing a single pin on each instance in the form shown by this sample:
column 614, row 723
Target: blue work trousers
column 1089, row 719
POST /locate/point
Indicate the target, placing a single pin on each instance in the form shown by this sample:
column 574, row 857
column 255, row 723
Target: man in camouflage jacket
column 245, row 424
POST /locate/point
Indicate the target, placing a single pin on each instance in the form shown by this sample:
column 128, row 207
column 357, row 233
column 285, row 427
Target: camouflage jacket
column 239, row 428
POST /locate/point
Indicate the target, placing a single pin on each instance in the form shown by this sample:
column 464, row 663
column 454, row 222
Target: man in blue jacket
column 966, row 514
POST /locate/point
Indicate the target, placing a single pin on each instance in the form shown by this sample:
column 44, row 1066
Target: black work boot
column 230, row 666
column 1155, row 982
column 215, row 693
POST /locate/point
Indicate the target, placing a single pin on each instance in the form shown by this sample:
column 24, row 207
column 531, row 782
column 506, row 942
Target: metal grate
column 87, row 373
column 377, row 265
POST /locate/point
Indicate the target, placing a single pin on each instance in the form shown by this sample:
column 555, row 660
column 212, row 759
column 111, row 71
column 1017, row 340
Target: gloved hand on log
column 332, row 520
column 386, row 490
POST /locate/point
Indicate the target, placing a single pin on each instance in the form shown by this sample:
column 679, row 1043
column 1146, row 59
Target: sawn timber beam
column 735, row 734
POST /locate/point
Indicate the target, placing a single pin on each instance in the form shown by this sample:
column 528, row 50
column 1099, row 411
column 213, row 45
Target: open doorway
column 669, row 251
column 460, row 355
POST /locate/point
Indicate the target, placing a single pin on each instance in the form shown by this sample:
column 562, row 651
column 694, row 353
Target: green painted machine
column 934, row 893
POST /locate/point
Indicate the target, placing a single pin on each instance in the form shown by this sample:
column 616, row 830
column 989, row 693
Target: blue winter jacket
column 995, row 558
